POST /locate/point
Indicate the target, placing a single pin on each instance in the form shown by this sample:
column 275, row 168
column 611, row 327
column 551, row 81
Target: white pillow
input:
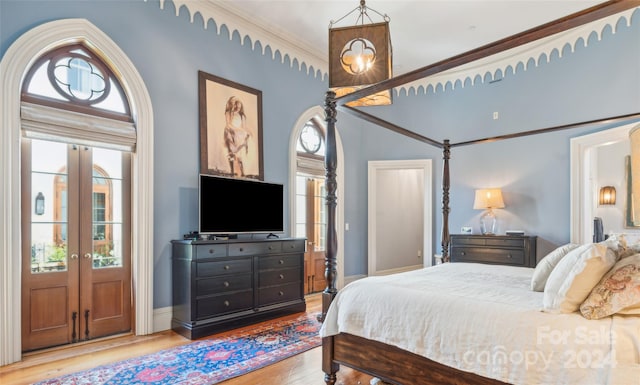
column 575, row 275
column 546, row 265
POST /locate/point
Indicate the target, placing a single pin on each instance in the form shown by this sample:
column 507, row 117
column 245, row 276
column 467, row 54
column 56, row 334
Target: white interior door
column 400, row 212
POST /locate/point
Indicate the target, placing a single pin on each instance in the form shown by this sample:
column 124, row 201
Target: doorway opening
column 78, row 135
column 311, row 214
column 76, row 276
column 307, row 196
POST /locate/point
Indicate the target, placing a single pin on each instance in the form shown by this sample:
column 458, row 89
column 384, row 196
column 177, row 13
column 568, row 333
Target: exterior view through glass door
column 312, row 224
column 76, row 270
column 311, row 215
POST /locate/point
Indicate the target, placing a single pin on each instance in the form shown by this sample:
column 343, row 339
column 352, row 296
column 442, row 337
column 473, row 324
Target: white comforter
column 485, row 319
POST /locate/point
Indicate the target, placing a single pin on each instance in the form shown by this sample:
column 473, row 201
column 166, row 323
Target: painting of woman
column 230, row 128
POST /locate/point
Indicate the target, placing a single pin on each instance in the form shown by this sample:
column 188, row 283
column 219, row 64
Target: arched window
column 73, row 78
column 69, row 95
column 311, row 217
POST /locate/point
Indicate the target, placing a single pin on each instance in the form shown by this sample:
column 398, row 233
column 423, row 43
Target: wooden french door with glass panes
column 76, row 260
column 316, row 229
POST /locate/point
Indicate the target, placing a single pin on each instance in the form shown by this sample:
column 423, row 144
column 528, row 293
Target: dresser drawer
column 257, row 248
column 221, row 304
column 296, row 246
column 502, row 242
column 491, row 241
column 279, row 262
column 278, row 277
column 282, row 293
column 231, row 266
column 488, row 255
column 223, row 284
column 210, row 251
column 458, row 240
column 515, row 250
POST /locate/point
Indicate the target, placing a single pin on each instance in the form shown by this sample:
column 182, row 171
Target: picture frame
column 230, row 128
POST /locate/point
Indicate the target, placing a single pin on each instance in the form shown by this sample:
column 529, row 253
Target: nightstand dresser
column 515, row 250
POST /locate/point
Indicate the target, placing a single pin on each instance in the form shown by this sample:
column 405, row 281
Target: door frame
column 293, row 140
column 14, row 65
column 583, row 187
column 373, row 166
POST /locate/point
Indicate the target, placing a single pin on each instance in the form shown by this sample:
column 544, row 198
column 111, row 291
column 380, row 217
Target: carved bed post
column 330, row 261
column 330, row 162
column 446, row 151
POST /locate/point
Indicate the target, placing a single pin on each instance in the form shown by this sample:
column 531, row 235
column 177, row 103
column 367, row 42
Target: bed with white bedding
column 477, row 324
column 485, row 319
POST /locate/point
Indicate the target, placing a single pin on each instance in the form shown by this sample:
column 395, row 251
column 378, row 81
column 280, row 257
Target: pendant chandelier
column 359, row 56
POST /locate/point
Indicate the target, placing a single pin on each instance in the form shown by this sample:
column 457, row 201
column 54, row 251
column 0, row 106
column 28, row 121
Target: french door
column 76, row 270
column 315, row 230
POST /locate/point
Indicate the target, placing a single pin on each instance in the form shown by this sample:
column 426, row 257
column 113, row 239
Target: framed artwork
column 230, row 128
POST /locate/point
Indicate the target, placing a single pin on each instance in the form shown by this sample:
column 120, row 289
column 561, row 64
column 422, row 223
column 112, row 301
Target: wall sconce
column 360, row 56
column 488, row 199
column 607, row 195
column 39, row 204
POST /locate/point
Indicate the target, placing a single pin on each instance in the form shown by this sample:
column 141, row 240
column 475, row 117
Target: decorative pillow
column 627, row 244
column 575, row 275
column 546, row 265
column 617, row 292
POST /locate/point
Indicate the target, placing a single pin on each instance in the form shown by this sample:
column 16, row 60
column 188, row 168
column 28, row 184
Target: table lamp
column 488, row 199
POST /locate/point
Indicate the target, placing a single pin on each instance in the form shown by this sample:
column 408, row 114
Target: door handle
column 87, row 255
column 86, row 324
column 74, row 256
column 74, row 315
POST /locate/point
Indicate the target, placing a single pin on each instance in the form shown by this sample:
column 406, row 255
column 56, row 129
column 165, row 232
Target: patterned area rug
column 207, row 361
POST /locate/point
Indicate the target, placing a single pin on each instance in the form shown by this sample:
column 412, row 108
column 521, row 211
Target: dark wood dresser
column 515, row 250
column 223, row 284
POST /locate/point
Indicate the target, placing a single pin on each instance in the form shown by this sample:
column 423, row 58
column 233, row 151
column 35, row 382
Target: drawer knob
column 281, row 276
column 227, row 267
column 509, row 256
column 281, row 293
column 211, row 251
column 226, row 284
column 241, row 249
column 270, row 248
column 281, row 262
column 226, row 303
column 462, row 253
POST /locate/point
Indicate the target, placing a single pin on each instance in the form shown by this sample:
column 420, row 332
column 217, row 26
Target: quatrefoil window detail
column 78, row 78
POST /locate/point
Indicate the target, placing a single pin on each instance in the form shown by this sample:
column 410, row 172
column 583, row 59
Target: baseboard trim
column 162, row 319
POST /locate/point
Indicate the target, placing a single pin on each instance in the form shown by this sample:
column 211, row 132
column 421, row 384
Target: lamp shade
column 607, row 195
column 488, row 199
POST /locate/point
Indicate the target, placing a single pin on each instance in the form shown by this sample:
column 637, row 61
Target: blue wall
column 599, row 81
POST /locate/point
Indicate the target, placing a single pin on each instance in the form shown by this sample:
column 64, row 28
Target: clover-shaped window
column 74, row 78
column 78, row 79
column 311, row 140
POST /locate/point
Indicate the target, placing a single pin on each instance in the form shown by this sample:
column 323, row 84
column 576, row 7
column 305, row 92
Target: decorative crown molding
column 280, row 40
column 486, row 69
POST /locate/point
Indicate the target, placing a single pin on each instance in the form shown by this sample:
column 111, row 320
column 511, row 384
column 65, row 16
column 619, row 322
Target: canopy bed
column 351, row 339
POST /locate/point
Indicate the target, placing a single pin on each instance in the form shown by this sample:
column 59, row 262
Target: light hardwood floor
column 302, row 369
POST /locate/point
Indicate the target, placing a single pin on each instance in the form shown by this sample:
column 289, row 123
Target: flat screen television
column 237, row 206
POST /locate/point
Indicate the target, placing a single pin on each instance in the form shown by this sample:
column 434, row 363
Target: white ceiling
column 422, row 31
